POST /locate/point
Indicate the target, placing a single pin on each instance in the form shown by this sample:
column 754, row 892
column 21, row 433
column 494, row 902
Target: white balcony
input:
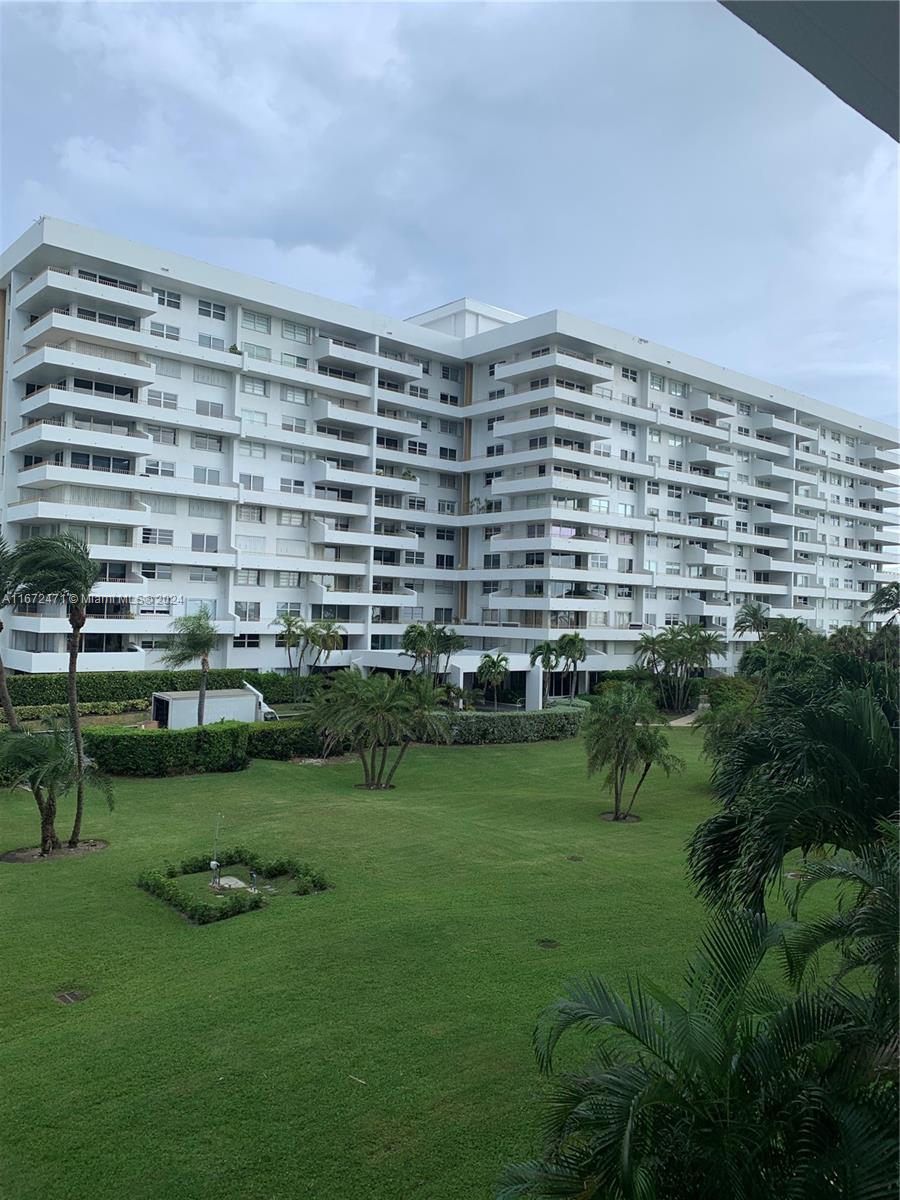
column 47, row 363
column 55, row 286
column 556, row 360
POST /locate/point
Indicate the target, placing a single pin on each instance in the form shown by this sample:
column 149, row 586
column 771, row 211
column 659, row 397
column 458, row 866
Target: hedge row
column 200, row 912
column 487, row 728
column 728, row 689
column 283, row 740
column 304, row 877
column 140, row 685
column 120, row 750
column 99, row 708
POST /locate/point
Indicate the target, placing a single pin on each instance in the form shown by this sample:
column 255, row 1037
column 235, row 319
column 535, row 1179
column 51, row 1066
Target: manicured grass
column 373, row 1040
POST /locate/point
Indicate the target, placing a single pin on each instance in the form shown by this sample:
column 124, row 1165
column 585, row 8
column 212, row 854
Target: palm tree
column 621, row 736
column 8, row 586
column 325, row 637
column 885, row 599
column 547, row 654
column 46, row 763
column 674, row 656
column 572, row 650
column 294, row 633
column 752, row 618
column 492, row 670
column 816, row 769
column 193, row 636
column 370, row 715
column 416, row 643
column 60, row 565
column 738, row 1091
column 447, row 643
column 851, row 640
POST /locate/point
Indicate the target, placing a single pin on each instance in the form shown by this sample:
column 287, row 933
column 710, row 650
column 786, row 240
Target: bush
column 304, row 877
column 140, row 685
column 487, row 728
column 200, row 912
column 283, row 740
column 729, row 689
column 118, row 750
column 99, row 708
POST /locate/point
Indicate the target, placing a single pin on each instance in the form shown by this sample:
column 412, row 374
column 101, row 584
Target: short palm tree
column 7, row 592
column 547, row 654
column 572, row 650
column 752, row 617
column 738, row 1091
column 492, row 670
column 193, row 636
column 294, row 633
column 622, row 735
column 46, row 763
column 417, row 643
column 61, row 566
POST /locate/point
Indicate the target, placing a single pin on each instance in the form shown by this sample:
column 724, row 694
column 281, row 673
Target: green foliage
column 674, row 657
column 305, row 877
column 119, row 750
column 99, row 708
column 101, row 686
column 487, row 728
column 728, row 689
column 197, row 911
column 284, row 740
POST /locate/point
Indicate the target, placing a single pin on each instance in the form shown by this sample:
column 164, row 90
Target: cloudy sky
column 654, row 165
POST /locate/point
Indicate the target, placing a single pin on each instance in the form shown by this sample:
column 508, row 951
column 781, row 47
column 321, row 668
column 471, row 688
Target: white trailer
column 178, row 710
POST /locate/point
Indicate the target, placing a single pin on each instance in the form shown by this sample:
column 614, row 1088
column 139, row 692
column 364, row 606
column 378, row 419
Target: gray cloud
column 655, row 166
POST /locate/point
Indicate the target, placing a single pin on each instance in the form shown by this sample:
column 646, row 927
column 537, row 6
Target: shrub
column 140, row 685
column 161, row 884
column 487, row 728
column 118, row 750
column 729, row 689
column 98, row 708
column 283, row 740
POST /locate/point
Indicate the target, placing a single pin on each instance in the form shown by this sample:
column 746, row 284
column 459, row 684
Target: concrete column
column 534, row 688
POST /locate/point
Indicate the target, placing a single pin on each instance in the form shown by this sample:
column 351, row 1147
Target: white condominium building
column 218, row 440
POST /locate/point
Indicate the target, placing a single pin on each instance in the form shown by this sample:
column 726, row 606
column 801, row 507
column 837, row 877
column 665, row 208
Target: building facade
column 221, row 440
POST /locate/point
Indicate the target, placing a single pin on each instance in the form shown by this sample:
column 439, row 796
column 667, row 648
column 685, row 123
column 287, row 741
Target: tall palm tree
column 325, row 637
column 417, row 643
column 885, row 599
column 851, row 640
column 752, row 617
column 572, row 650
column 193, row 636
column 547, row 654
column 294, row 632
column 61, row 565
column 621, row 735
column 738, row 1091
column 492, row 670
column 7, row 592
column 675, row 655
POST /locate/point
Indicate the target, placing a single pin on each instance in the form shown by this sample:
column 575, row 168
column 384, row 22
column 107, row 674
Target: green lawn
column 371, row 1041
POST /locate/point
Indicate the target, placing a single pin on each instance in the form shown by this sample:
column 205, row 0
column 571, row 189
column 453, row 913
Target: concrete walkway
column 688, row 720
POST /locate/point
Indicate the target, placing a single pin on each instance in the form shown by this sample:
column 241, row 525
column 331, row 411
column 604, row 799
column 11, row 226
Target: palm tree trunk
column 201, row 698
column 49, row 840
column 379, row 781
column 371, row 779
column 637, row 787
column 404, row 746
column 495, row 697
column 76, row 620
column 365, row 766
column 9, row 712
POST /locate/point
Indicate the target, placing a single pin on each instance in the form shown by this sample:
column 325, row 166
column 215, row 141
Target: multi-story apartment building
column 221, row 440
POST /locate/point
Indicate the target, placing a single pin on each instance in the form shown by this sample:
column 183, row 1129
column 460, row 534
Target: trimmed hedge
column 140, row 685
column 487, row 728
column 120, row 750
column 283, row 740
column 728, row 689
column 100, row 708
column 162, row 885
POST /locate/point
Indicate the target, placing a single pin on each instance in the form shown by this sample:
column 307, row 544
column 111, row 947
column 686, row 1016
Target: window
column 677, row 389
column 162, row 435
column 158, row 399
column 206, row 441
column 205, row 543
column 157, row 537
column 207, row 475
column 251, row 512
column 445, row 535
column 293, row 360
column 253, row 483
column 253, row 386
column 444, row 562
column 447, row 507
column 171, row 332
column 497, row 394
column 413, row 447
column 291, row 455
column 293, row 331
column 246, row 641
column 291, row 516
column 260, row 322
column 657, row 382
column 254, row 351
column 252, row 449
column 156, row 467
column 629, row 373
column 414, row 558
column 491, row 562
column 629, row 428
column 449, row 372
column 451, row 427
column 203, row 574
column 294, row 395
column 167, row 299
column 210, row 377
column 447, row 398
column 165, row 366
column 207, row 308
column 246, row 610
